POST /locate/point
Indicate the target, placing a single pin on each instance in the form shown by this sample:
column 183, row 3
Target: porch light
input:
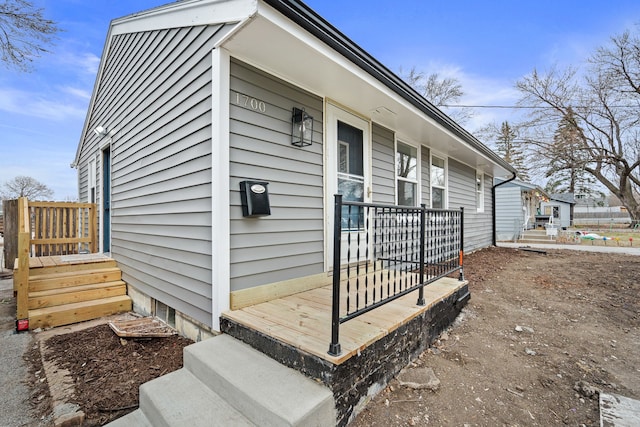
column 301, row 128
column 101, row 131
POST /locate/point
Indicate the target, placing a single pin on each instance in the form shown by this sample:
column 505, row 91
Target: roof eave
column 308, row 19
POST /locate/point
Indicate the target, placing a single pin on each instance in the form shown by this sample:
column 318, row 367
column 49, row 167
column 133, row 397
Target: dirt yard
column 542, row 334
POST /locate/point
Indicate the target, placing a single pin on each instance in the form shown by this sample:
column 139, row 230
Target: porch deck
column 66, row 260
column 303, row 320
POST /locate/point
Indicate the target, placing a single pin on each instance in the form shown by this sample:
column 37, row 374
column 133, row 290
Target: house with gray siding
column 196, row 97
column 517, row 205
column 558, row 207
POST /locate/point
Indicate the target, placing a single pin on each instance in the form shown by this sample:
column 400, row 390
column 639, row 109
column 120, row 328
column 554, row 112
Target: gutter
column 493, row 207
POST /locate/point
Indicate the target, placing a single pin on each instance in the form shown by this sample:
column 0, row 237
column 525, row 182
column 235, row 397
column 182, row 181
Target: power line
column 529, row 107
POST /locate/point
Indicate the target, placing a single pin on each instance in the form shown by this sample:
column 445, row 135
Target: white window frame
column 479, row 191
column 446, row 180
column 418, row 195
column 91, row 180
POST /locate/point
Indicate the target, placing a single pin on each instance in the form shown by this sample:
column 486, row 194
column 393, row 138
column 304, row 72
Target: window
column 438, row 183
column 91, row 177
column 407, row 174
column 165, row 313
column 479, row 191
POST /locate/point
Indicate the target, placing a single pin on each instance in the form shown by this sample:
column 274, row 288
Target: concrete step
column 225, row 382
column 179, row 399
column 263, row 390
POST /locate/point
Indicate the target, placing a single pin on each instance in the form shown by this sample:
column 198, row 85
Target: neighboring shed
column 517, row 205
column 195, row 97
column 559, row 207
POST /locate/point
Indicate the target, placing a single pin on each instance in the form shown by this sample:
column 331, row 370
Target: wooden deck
column 303, row 320
column 65, row 260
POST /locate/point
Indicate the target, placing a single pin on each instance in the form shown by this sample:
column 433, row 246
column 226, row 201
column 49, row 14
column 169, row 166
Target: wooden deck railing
column 62, row 228
column 45, row 229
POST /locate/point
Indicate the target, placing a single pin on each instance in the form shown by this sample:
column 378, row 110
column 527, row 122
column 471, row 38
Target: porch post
column 421, row 300
column 21, row 275
column 334, row 347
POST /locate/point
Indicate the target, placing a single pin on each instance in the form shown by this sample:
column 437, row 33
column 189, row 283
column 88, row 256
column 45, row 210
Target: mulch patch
column 108, row 370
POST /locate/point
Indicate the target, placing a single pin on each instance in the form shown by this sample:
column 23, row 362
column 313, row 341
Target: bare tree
column 440, row 91
column 24, row 31
column 25, row 186
column 507, row 140
column 604, row 101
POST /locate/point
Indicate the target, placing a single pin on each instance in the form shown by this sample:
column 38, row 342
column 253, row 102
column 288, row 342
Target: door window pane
column 351, row 174
column 350, row 140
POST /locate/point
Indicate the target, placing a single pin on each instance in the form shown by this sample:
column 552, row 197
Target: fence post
column 423, row 208
column 93, row 228
column 461, row 256
column 21, row 275
column 334, row 347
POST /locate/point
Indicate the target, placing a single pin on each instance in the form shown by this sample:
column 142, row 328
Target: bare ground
column 540, row 337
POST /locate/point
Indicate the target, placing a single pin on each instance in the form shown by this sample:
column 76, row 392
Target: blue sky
column 486, row 45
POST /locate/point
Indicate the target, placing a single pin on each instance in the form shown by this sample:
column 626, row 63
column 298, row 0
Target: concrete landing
column 225, row 382
column 618, row 411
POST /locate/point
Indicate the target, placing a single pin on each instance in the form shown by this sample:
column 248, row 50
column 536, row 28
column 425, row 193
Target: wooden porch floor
column 64, row 260
column 303, row 320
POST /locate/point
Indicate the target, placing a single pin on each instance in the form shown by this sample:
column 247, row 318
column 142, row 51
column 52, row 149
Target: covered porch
column 396, row 284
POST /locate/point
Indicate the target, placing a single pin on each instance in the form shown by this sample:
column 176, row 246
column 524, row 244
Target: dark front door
column 106, row 200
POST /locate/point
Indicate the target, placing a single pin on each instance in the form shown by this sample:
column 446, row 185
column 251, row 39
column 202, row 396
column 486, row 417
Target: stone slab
column 619, row 411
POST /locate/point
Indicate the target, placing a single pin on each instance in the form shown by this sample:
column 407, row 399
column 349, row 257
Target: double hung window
column 438, row 183
column 407, row 175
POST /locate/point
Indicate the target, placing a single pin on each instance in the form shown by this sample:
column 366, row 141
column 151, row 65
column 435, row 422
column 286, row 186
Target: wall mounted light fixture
column 301, row 128
column 101, row 131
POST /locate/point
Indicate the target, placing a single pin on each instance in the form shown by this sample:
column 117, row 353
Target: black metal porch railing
column 382, row 252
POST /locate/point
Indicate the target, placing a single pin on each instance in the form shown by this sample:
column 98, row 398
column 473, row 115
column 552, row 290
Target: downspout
column 493, row 205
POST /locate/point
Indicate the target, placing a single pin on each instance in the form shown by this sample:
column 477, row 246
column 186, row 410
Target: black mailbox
column 255, row 198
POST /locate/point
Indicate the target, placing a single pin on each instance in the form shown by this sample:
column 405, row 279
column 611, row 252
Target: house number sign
column 248, row 102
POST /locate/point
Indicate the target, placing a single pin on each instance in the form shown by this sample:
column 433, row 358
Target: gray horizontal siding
column 462, row 193
column 155, row 94
column 289, row 242
column 382, row 165
column 509, row 211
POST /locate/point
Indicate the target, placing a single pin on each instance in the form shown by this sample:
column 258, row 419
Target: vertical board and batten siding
column 509, row 212
column 290, row 242
column 383, row 165
column 155, row 94
column 462, row 193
